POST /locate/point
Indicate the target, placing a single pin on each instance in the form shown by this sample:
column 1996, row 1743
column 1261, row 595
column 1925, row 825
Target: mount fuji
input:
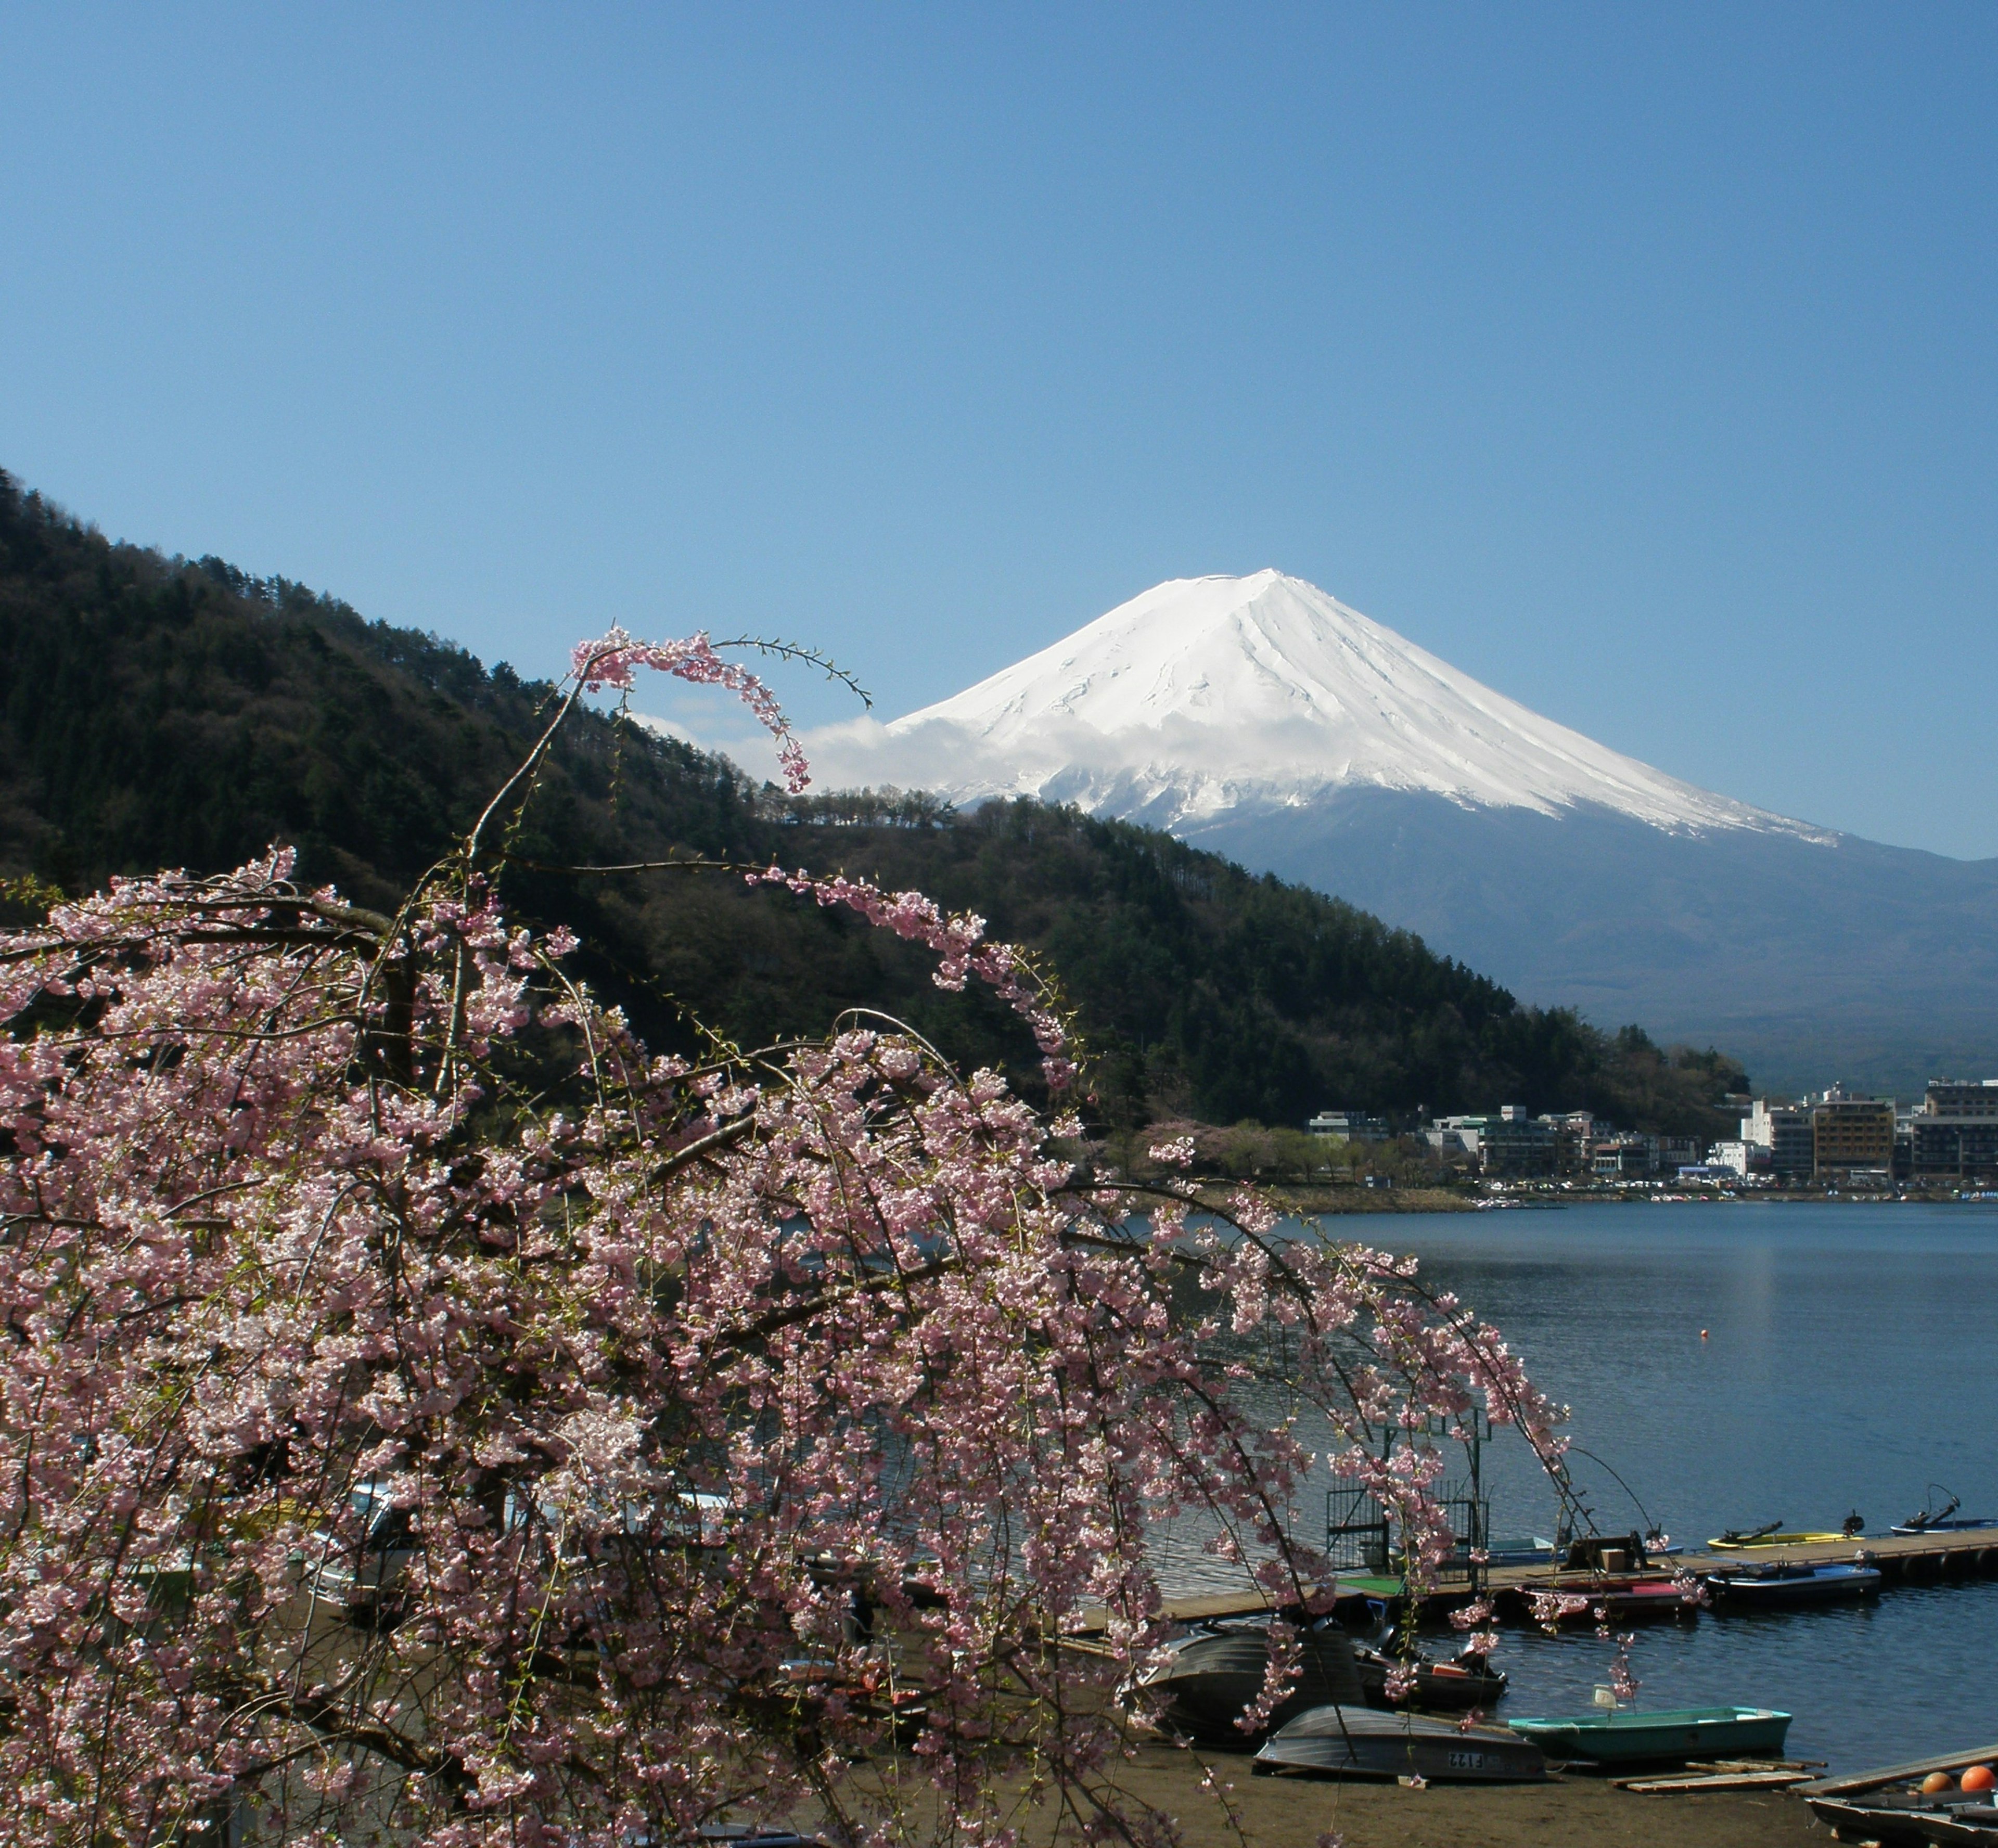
column 1261, row 718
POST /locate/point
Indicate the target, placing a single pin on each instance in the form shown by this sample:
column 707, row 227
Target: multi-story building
column 1572, row 1130
column 1743, row 1158
column 1954, row 1135
column 1784, row 1132
column 1455, row 1138
column 1851, row 1133
column 1670, row 1152
column 1511, row 1144
column 1348, row 1126
column 1516, row 1144
column 1623, row 1157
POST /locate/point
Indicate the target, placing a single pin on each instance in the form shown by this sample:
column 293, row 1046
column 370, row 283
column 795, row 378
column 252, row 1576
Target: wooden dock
column 1900, row 1559
column 1924, row 1559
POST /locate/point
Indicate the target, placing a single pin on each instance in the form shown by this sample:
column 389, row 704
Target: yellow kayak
column 1740, row 1542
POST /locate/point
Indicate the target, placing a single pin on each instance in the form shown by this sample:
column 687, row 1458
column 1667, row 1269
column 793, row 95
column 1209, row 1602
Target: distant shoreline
column 1333, row 1203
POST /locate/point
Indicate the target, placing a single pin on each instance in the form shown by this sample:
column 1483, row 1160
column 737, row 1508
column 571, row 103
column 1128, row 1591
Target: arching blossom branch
column 427, row 1414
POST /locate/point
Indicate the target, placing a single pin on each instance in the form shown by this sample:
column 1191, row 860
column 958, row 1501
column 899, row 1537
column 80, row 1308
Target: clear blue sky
column 1639, row 361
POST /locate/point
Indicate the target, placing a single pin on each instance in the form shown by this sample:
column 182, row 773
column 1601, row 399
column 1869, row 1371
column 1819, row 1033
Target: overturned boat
column 1911, row 1805
column 1209, row 1678
column 1909, row 1820
column 1361, row 1742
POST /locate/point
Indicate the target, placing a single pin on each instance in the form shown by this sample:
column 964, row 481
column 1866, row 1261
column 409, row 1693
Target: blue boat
column 1536, row 1551
column 1944, row 1520
column 1779, row 1586
column 1540, row 1551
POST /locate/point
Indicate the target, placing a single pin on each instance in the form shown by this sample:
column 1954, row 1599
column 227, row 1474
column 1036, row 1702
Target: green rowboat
column 1631, row 1738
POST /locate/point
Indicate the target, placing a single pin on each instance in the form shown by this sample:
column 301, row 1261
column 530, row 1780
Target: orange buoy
column 1702, row 1335
column 1936, row 1782
column 1979, row 1777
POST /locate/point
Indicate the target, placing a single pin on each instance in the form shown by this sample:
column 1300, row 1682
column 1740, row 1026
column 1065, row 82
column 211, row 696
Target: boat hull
column 1748, row 1543
column 1908, row 1822
column 1912, row 1529
column 1359, row 1742
column 1789, row 1589
column 1628, row 1599
column 1201, row 1692
column 1669, row 1737
column 1440, row 1686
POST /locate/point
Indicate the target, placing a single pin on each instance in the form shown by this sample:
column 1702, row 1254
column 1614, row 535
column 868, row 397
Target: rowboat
column 750, row 1835
column 1779, row 1587
column 1626, row 1737
column 1357, row 1742
column 1908, row 1821
column 1534, row 1552
column 1889, row 1806
column 1206, row 1680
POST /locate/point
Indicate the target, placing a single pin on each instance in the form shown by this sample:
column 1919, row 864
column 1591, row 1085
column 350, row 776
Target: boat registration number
column 1467, row 1761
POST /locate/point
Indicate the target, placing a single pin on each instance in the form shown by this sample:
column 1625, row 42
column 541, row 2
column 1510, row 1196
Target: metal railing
column 1359, row 1539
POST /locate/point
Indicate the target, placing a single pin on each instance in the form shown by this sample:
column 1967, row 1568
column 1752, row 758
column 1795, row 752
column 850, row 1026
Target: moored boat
column 1777, row 1588
column 1454, row 1687
column 1535, row 1551
column 1625, row 1736
column 1647, row 1598
column 1340, row 1741
column 1630, row 1597
column 1944, row 1520
column 1732, row 1542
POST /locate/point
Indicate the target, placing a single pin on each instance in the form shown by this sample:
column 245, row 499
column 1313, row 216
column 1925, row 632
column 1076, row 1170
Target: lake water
column 1850, row 1360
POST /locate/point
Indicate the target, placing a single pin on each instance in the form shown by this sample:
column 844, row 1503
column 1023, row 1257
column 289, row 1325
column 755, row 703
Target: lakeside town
column 1833, row 1141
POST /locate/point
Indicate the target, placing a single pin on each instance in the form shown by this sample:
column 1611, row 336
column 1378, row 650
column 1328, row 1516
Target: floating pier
column 1925, row 1558
column 1900, row 1559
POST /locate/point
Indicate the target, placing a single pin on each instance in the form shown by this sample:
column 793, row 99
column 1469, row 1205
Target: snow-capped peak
column 1206, row 694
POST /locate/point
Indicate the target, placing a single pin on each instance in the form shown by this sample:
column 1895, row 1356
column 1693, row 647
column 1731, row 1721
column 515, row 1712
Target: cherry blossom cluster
column 609, row 660
column 1551, row 1609
column 959, row 941
column 427, row 1414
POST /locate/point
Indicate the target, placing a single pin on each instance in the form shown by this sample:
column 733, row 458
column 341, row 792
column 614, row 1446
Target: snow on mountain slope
column 1207, row 695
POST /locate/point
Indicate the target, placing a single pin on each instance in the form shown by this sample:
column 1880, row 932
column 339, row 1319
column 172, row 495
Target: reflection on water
column 1847, row 1362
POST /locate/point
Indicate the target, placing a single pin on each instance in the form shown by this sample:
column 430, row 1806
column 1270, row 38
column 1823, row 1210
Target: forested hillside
column 158, row 712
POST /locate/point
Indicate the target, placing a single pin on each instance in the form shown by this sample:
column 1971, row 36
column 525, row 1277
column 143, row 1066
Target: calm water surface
column 1851, row 1359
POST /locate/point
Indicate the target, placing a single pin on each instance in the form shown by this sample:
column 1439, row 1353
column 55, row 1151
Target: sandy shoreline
column 1288, row 1812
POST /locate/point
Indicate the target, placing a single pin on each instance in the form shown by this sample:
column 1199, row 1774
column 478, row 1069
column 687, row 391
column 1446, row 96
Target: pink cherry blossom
column 428, row 1415
column 1622, row 1683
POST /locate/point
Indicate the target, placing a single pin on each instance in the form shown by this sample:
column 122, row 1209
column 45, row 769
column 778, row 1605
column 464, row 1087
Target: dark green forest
column 160, row 712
